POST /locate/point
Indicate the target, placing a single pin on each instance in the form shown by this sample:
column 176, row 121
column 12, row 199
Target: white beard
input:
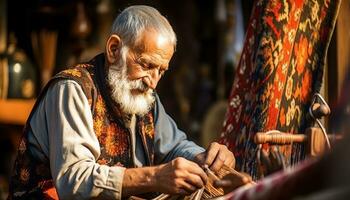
column 139, row 104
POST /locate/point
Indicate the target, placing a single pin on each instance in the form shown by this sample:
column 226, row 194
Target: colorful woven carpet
column 326, row 177
column 280, row 69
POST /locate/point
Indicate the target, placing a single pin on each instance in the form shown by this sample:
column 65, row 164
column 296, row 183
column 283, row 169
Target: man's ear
column 113, row 47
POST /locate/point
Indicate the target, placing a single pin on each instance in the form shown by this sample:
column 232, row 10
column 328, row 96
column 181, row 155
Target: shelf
column 15, row 111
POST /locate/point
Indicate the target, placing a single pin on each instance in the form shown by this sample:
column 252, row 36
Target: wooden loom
column 316, row 139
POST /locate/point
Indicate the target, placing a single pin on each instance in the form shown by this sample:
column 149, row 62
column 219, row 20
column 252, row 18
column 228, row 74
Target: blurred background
column 38, row 38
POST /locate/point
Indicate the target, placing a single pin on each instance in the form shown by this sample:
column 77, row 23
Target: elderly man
column 99, row 130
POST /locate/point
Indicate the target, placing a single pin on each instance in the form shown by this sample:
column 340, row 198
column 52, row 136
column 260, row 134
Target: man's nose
column 152, row 78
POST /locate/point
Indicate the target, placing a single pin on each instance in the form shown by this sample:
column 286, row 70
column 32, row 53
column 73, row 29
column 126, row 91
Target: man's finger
column 218, row 162
column 195, row 180
column 230, row 162
column 189, row 188
column 232, row 181
column 198, row 171
column 212, row 152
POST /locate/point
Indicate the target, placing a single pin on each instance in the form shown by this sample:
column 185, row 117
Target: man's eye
column 152, row 66
column 144, row 66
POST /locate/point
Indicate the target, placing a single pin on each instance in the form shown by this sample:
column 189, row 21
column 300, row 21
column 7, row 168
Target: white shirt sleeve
column 62, row 130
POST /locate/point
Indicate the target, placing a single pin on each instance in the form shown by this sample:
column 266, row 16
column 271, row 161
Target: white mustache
column 138, row 85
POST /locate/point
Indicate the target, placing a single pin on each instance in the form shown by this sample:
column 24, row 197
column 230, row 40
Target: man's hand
column 232, row 181
column 216, row 156
column 179, row 176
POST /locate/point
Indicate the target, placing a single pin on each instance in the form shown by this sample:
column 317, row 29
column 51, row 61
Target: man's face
column 138, row 71
column 149, row 59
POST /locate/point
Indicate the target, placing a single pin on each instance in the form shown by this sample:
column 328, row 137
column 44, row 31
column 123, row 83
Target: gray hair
column 133, row 20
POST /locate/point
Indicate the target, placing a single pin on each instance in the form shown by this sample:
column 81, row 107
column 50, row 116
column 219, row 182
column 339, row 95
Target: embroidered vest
column 32, row 179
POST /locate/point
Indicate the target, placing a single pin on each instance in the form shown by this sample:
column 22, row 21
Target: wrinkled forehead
column 154, row 45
